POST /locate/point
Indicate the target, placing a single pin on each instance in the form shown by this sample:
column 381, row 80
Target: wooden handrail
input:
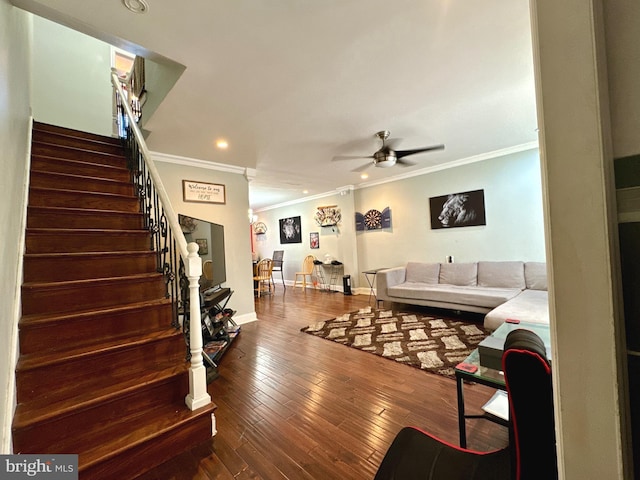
column 198, row 395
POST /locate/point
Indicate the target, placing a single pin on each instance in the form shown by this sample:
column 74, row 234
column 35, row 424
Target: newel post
column 198, row 395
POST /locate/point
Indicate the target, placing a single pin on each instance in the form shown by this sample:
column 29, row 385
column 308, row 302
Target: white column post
column 198, row 395
column 581, row 235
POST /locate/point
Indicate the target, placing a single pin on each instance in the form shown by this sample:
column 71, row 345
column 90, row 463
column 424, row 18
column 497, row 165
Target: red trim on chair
column 456, row 447
column 514, row 421
column 542, row 360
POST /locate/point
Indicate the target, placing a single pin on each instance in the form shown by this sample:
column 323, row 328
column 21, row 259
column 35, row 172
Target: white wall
column 233, row 215
column 513, row 209
column 71, row 79
column 15, row 58
column 337, row 242
column 513, row 205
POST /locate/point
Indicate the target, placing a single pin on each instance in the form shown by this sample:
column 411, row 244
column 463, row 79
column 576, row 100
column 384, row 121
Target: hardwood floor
column 293, row 406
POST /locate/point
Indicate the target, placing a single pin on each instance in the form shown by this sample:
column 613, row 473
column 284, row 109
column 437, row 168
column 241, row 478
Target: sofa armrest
column 389, row 278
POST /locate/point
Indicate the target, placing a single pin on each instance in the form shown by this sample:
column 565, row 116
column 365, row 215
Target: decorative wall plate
column 259, row 228
column 328, row 216
column 187, row 224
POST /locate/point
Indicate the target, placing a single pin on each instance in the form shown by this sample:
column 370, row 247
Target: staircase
column 101, row 373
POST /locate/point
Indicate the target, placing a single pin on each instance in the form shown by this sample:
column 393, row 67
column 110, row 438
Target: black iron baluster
column 169, row 276
column 185, row 307
column 175, row 296
column 162, row 241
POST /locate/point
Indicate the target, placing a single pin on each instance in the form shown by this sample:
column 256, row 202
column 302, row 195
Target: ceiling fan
column 387, row 156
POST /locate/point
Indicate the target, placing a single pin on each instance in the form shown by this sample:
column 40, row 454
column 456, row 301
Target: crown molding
column 338, row 191
column 250, row 173
column 445, row 166
column 456, row 163
column 206, row 164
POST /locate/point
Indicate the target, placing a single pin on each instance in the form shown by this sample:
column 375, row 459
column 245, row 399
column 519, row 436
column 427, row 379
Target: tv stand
column 213, row 296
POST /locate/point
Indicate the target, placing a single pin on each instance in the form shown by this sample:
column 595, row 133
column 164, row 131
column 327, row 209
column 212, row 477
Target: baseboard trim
column 245, row 318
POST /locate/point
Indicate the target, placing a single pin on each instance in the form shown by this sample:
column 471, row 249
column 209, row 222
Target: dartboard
column 372, row 219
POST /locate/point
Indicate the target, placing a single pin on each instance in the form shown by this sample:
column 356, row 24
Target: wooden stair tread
column 80, row 231
column 80, row 162
column 76, row 265
column 43, row 409
column 43, row 359
column 71, row 132
column 71, row 255
column 81, row 211
column 83, row 192
column 77, row 149
column 37, row 320
column 89, row 281
column 78, row 177
column 65, row 138
column 111, row 440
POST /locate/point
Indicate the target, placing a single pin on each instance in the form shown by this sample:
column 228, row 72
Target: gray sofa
column 501, row 290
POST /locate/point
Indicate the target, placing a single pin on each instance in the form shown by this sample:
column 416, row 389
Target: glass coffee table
column 472, row 371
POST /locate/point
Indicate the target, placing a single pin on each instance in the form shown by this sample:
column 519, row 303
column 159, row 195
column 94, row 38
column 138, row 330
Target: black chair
column 278, row 255
column 528, row 378
column 417, row 455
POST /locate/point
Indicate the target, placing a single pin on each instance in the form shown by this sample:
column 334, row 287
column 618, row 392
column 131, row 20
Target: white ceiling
column 293, row 83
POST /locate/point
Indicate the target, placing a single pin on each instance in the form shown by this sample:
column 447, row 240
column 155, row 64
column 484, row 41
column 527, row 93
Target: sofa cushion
column 528, row 306
column 501, row 274
column 423, row 272
column 463, row 274
column 453, row 294
column 535, row 274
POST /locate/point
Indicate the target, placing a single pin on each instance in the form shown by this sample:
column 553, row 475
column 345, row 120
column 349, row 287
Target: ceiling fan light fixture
column 387, row 156
column 384, row 158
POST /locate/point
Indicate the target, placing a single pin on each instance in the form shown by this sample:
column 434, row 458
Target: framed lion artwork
column 290, row 230
column 463, row 209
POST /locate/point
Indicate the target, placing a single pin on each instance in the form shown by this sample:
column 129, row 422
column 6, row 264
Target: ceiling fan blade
column 350, row 157
column 405, row 153
column 404, row 163
column 363, row 167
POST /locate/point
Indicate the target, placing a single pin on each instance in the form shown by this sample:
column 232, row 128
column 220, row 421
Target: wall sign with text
column 203, row 192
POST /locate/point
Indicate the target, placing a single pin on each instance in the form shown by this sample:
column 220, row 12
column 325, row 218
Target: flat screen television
column 210, row 239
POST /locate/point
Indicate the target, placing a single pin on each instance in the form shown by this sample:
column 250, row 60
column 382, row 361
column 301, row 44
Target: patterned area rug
column 434, row 344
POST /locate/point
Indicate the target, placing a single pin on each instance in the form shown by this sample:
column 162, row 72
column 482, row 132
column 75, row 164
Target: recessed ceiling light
column 305, row 191
column 364, row 176
column 222, row 144
column 136, row 6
